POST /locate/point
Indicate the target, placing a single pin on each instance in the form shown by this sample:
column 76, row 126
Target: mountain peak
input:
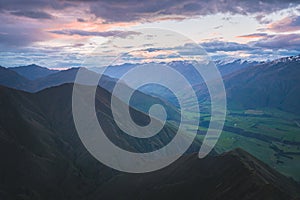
column 33, row 71
column 230, row 61
column 33, row 65
column 227, row 176
column 287, row 59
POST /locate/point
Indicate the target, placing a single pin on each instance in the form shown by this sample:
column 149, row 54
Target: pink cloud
column 287, row 24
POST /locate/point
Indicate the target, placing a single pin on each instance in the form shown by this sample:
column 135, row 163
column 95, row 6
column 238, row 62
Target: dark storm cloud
column 32, row 14
column 134, row 10
column 30, row 5
column 19, row 35
column 95, row 33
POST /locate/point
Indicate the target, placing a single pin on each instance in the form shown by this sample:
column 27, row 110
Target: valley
column 45, row 136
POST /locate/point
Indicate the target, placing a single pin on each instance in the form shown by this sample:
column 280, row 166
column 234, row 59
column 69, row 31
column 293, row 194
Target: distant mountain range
column 186, row 68
column 12, row 79
column 33, row 71
column 273, row 84
column 229, row 67
column 43, row 158
column 225, row 68
column 34, row 78
column 47, row 78
column 248, row 84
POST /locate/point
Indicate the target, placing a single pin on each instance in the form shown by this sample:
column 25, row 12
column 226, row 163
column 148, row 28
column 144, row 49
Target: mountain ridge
column 45, row 159
column 194, row 178
column 33, row 71
column 274, row 84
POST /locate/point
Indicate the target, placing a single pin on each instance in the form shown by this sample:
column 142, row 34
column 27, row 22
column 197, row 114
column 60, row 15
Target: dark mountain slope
column 233, row 175
column 37, row 162
column 33, row 71
column 43, row 158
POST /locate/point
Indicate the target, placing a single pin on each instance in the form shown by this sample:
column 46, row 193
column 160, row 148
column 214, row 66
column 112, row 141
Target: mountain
column 41, row 154
column 233, row 175
column 232, row 66
column 42, row 157
column 115, row 71
column 16, row 77
column 55, row 79
column 33, row 71
column 225, row 66
column 249, row 85
column 273, row 84
column 185, row 68
column 36, row 78
column 12, row 79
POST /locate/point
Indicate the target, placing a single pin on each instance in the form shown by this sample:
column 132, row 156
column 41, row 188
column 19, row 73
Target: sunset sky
column 61, row 33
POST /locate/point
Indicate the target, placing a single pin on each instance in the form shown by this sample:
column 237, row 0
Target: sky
column 63, row 33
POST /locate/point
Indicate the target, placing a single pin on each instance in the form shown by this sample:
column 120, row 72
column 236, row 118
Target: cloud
column 121, row 34
column 133, row 10
column 190, row 49
column 284, row 41
column 32, row 14
column 19, row 35
column 267, row 44
column 216, row 45
column 267, row 47
column 261, row 18
column 253, row 35
column 31, row 5
column 77, row 16
column 81, row 20
column 218, row 27
column 286, row 24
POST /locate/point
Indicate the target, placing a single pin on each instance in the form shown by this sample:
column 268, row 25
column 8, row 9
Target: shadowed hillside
column 43, row 158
